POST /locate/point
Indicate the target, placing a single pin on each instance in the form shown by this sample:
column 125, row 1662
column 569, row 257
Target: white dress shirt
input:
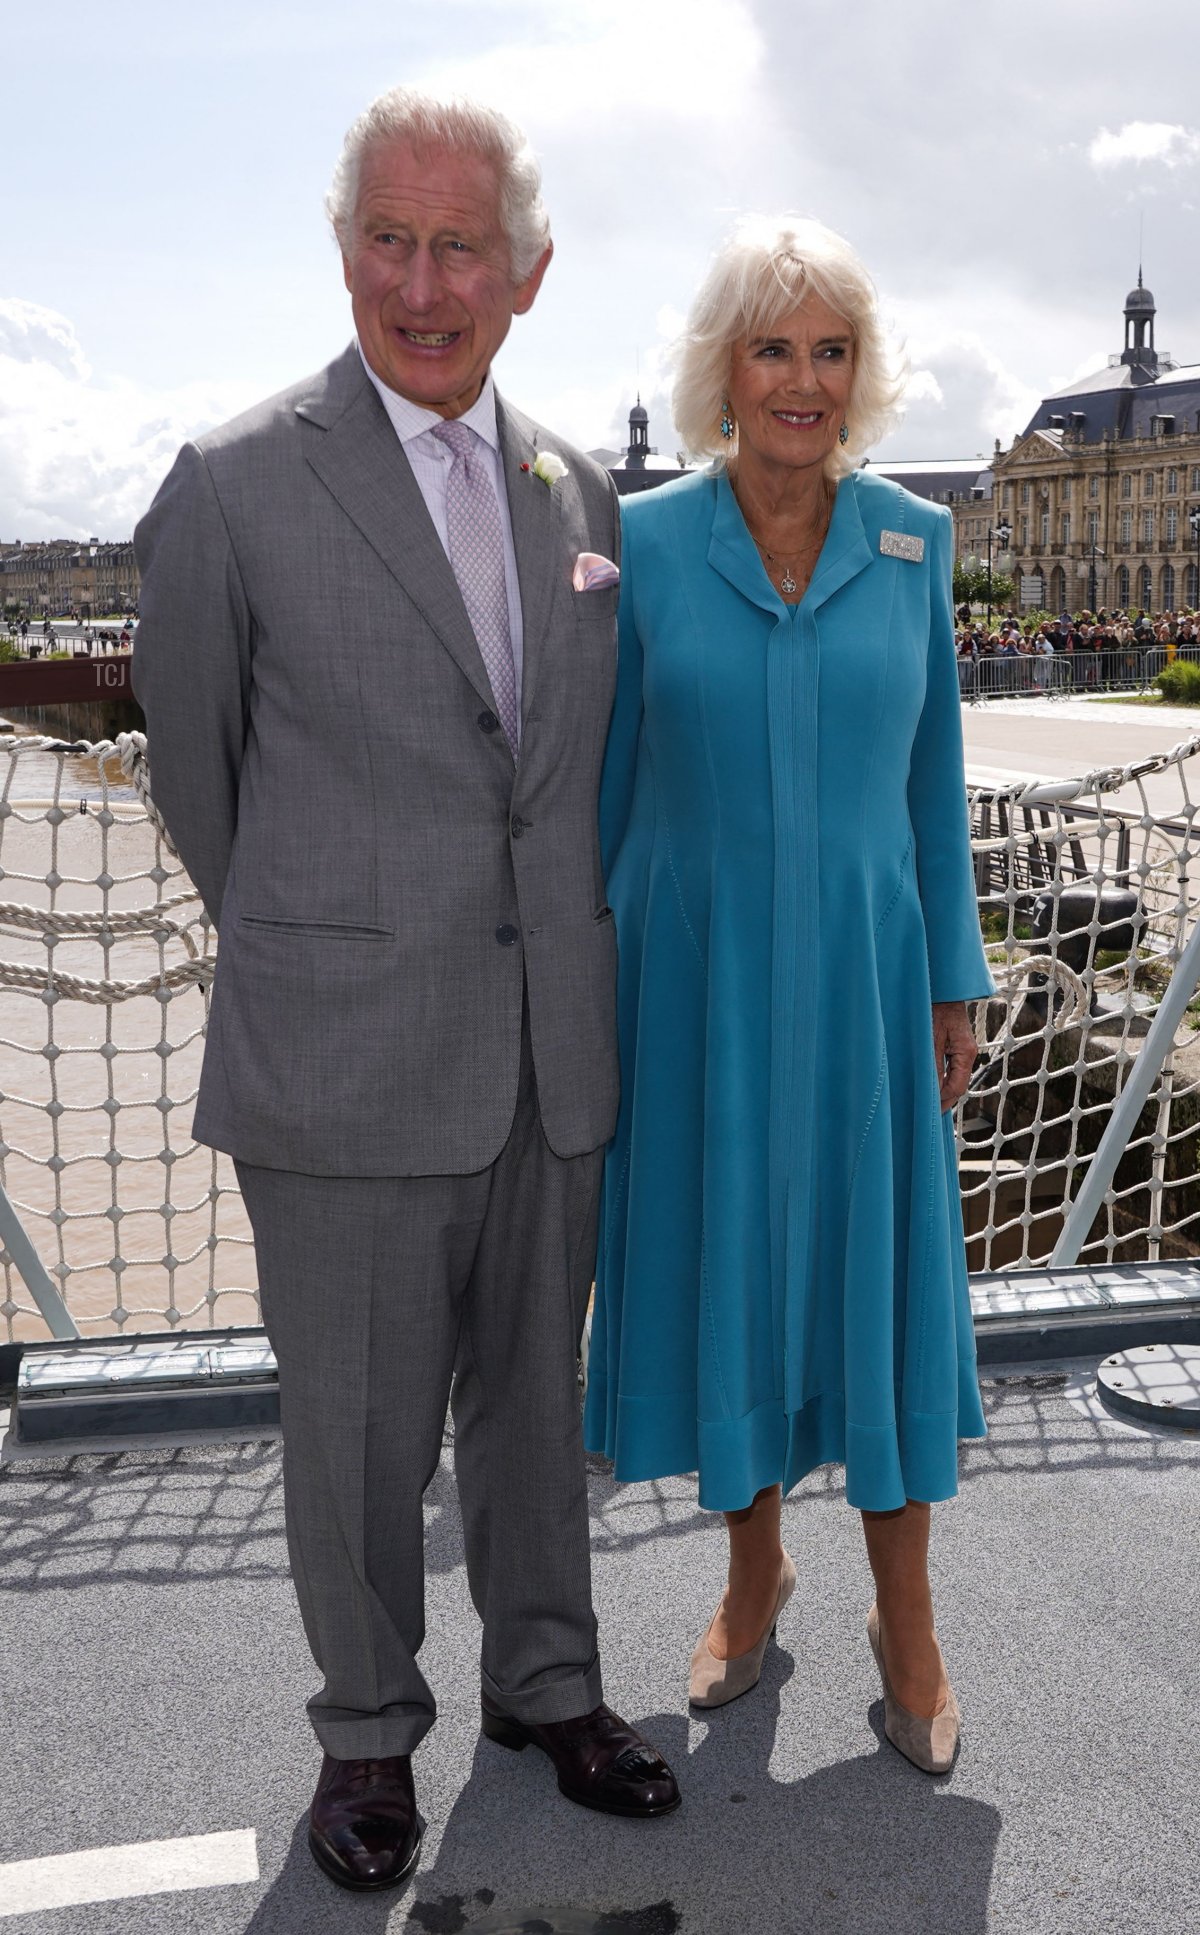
column 431, row 461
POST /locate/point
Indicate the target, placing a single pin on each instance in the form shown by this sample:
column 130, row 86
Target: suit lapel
column 360, row 460
column 536, row 513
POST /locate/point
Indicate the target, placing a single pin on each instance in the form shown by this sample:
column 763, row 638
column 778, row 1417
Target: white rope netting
column 106, row 959
column 1088, row 892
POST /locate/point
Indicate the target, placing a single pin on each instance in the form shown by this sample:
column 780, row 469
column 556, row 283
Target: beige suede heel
column 929, row 1744
column 715, row 1682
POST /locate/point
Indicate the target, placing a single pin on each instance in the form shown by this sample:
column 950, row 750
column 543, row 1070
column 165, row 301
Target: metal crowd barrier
column 996, row 675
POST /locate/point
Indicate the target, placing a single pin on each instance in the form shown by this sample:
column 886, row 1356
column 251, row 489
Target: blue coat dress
column 781, row 1279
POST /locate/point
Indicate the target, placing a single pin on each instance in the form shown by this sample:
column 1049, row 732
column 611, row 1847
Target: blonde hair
column 760, row 275
column 430, row 122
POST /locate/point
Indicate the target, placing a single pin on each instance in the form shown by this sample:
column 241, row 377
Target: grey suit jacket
column 324, row 749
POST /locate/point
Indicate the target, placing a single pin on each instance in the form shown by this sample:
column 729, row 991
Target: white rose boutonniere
column 549, row 467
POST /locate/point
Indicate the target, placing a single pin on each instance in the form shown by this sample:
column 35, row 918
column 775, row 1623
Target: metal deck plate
column 173, row 1364
column 77, row 1399
column 1155, row 1383
column 1086, row 1287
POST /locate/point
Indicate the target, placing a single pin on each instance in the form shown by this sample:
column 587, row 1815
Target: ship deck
column 155, row 1674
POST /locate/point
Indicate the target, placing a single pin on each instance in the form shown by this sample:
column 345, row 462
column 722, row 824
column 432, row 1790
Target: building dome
column 639, row 414
column 1139, row 301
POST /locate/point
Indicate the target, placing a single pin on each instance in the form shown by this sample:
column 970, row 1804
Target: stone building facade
column 65, row 579
column 1102, row 487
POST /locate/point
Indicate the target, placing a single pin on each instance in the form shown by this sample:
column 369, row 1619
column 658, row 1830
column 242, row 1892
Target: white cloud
column 31, row 334
column 595, row 415
column 923, row 387
column 660, row 60
column 656, row 120
column 1138, row 141
column 957, row 379
column 81, row 455
column 1096, row 359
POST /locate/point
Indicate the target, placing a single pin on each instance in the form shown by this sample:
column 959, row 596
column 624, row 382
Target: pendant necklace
column 787, row 584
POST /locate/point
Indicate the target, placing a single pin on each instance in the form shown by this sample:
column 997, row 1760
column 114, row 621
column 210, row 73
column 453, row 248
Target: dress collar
column 733, row 553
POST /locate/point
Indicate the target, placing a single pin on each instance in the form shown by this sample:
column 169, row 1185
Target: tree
column 971, row 584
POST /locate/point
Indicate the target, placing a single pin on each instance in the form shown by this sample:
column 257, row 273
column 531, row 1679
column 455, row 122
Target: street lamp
column 1002, row 532
column 1097, row 552
column 1194, row 521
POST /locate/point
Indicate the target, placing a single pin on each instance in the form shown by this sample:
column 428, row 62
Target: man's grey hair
column 429, row 123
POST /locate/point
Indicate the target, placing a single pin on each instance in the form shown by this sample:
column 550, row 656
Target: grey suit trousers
column 383, row 1297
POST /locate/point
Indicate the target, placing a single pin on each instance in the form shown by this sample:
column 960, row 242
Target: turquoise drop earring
column 726, row 421
column 844, row 434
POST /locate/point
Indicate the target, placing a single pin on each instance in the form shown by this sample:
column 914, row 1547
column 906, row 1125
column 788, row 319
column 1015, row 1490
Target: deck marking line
column 142, row 1868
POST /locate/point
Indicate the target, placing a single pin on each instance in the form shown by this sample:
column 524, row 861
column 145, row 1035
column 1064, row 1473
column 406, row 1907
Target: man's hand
column 954, row 1050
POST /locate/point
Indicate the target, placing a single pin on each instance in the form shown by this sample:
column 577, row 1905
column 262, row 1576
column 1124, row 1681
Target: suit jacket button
column 516, row 826
column 507, row 936
column 487, row 722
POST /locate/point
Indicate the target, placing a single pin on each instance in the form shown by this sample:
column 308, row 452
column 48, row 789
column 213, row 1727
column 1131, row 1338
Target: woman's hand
column 954, row 1050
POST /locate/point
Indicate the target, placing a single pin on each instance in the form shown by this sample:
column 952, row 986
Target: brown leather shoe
column 600, row 1762
column 363, row 1826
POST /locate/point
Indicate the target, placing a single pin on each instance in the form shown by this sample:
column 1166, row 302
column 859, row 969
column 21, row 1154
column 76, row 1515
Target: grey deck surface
column 154, row 1673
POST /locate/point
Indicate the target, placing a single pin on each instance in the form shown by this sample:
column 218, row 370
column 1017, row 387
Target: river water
column 96, row 1099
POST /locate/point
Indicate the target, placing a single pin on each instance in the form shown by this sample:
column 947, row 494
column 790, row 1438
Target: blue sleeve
column 937, row 805
column 625, row 726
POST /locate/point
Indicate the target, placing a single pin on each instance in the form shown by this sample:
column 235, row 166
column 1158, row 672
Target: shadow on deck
column 156, row 1671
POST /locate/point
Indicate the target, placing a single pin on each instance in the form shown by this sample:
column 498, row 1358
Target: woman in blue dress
column 781, row 1280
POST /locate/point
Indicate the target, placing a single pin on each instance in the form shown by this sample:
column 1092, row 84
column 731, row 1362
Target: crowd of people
column 1091, row 648
column 1101, row 631
column 82, row 638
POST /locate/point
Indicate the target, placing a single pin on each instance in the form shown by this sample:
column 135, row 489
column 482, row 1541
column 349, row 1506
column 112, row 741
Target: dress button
column 487, row 722
column 507, row 936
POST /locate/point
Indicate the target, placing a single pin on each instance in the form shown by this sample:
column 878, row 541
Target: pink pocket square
column 593, row 573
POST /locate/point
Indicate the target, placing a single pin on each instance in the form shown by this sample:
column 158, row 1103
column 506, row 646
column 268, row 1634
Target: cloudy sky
column 165, row 259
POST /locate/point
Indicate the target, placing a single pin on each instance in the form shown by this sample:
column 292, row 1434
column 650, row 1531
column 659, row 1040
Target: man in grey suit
column 377, row 707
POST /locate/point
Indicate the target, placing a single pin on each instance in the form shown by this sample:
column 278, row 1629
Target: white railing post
column 1129, row 1104
column 33, row 1273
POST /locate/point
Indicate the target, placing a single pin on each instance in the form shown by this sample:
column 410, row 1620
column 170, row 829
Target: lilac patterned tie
column 477, row 557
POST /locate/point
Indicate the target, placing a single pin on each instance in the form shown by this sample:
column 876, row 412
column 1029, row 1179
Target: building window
column 1093, row 487
column 1167, row 601
column 1191, row 579
column 1172, row 531
column 1147, row 528
column 1145, row 587
column 1066, row 527
column 1093, row 527
column 1196, row 476
column 1148, row 484
column 1066, row 490
column 1126, row 527
column 1033, row 591
column 1024, row 493
column 1044, row 527
column 1127, row 485
column 1008, row 494
column 1024, row 534
column 1172, row 482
